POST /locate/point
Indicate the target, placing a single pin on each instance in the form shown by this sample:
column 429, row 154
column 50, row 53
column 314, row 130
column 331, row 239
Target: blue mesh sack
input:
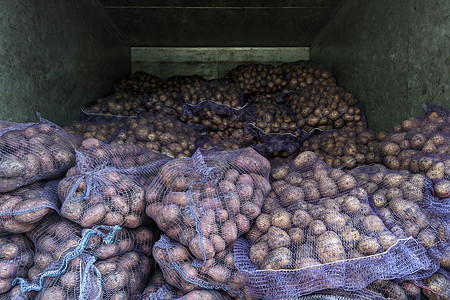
column 104, row 131
column 140, row 83
column 377, row 290
column 256, row 79
column 23, row 208
column 107, row 186
column 437, row 286
column 160, row 133
column 305, row 72
column 119, row 105
column 421, row 145
column 317, row 231
column 178, row 83
column 158, row 289
column 325, row 107
column 30, row 152
column 185, row 272
column 71, row 260
column 345, row 148
column 166, row 102
column 16, row 257
column 404, row 203
column 212, row 195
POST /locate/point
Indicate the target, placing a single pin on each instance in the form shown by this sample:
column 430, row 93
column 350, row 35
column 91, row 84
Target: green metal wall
column 54, row 56
column 393, row 55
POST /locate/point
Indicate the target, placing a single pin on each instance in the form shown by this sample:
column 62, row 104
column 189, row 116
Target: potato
column 279, row 258
column 93, row 215
column 368, row 245
column 278, row 238
column 202, row 247
column 436, row 286
column 301, row 219
column 317, row 227
column 329, row 247
column 30, row 212
column 281, row 218
column 373, row 224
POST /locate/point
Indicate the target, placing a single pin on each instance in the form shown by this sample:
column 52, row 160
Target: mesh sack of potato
column 16, row 257
column 160, row 133
column 437, row 286
column 317, row 231
column 184, row 271
column 256, row 79
column 158, row 289
column 325, row 107
column 346, row 148
column 421, row 145
column 305, row 72
column 221, row 92
column 377, row 290
column 67, row 257
column 178, row 83
column 404, row 203
column 23, row 208
column 107, row 185
column 30, row 152
column 213, row 196
column 106, row 108
column 104, row 131
column 165, row 102
column 139, row 83
column 272, row 145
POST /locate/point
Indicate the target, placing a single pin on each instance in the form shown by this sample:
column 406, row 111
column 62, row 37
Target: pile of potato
column 23, row 208
column 166, row 102
column 401, row 201
column 108, row 185
column 220, row 92
column 437, row 286
column 325, row 107
column 256, row 79
column 224, row 143
column 302, row 73
column 346, row 148
column 139, row 83
column 120, row 277
column 318, row 221
column 117, row 104
column 273, row 118
column 32, row 152
column 178, row 83
column 209, row 199
column 422, row 146
column 16, row 257
column 103, row 131
column 159, row 133
column 56, row 237
column 186, row 273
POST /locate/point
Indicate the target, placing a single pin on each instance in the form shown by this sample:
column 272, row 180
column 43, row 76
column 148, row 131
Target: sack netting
column 16, row 257
column 104, row 131
column 187, row 273
column 421, row 145
column 405, row 204
column 30, row 152
column 210, row 198
column 160, row 133
column 101, row 262
column 178, row 83
column 140, row 83
column 305, row 72
column 346, row 148
column 256, row 79
column 318, row 231
column 325, row 107
column 107, row 186
column 166, row 102
column 107, row 108
column 158, row 289
column 23, row 208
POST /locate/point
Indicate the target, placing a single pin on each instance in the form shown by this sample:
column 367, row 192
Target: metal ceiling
column 220, row 23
